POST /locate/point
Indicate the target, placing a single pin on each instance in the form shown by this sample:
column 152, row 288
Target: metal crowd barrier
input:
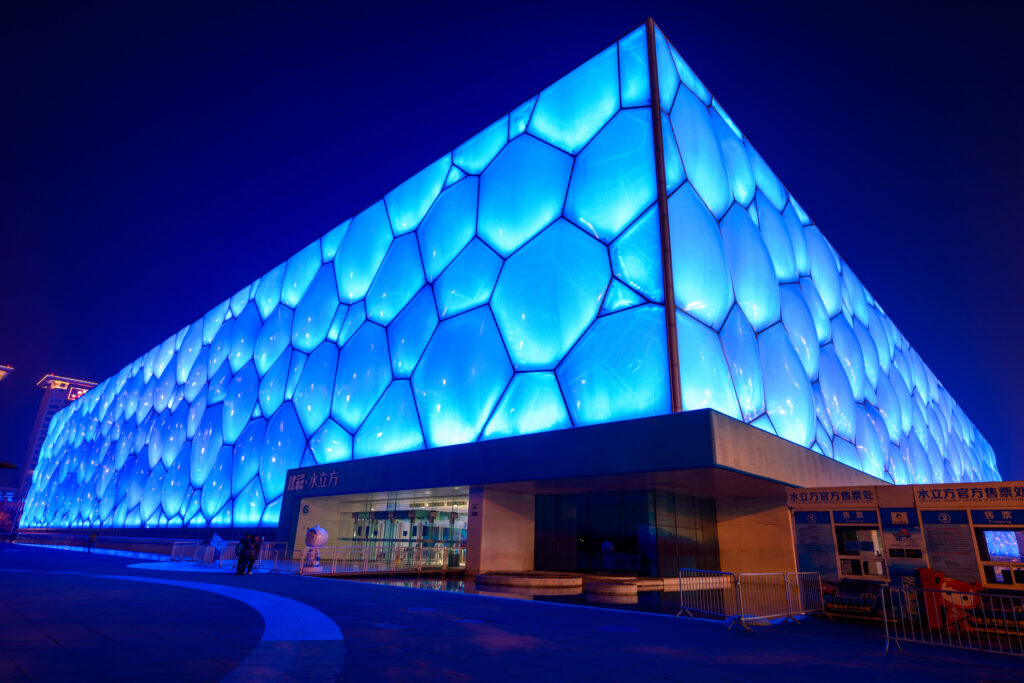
column 707, row 593
column 750, row 597
column 965, row 620
column 183, row 550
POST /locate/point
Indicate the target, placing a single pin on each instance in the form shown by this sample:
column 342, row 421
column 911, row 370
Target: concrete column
column 754, row 535
column 501, row 531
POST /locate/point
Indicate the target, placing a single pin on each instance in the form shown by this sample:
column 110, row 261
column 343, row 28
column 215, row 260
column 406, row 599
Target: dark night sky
column 155, row 157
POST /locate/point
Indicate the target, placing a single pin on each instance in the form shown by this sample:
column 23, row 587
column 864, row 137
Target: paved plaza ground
column 71, row 616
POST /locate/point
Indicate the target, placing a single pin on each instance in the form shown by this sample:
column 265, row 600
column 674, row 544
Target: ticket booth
column 973, row 533
column 859, row 547
column 999, row 537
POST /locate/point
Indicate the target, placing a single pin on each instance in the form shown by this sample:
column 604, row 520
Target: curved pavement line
column 290, row 626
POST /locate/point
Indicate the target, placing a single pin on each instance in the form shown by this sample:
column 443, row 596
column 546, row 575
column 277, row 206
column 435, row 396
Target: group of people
column 248, row 551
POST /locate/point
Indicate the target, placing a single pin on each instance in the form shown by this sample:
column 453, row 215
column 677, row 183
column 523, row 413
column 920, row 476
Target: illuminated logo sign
column 75, row 392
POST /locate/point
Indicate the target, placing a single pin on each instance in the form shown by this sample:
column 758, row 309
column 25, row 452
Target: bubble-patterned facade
column 516, row 285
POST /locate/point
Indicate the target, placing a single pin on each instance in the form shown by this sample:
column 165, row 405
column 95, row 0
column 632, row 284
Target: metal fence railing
column 805, row 594
column 183, row 551
column 707, row 594
column 763, row 596
column 749, row 597
column 966, row 620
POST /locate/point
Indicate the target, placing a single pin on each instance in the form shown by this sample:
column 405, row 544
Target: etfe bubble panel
column 515, row 285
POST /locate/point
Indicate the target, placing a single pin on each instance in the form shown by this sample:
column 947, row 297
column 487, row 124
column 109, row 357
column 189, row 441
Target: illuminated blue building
column 518, row 285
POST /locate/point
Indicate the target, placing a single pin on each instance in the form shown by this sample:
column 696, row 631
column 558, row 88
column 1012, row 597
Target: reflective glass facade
column 516, row 285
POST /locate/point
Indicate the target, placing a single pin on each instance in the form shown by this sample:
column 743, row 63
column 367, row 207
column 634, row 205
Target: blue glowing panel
column 239, row 402
column 243, row 341
column 409, row 202
column 777, row 240
column 315, row 312
column 454, row 176
column 268, row 294
column 539, row 328
column 238, row 302
column 845, row 452
column 737, row 164
column 331, row 444
column 668, row 77
column 740, row 345
column 569, row 112
column 299, row 274
column 397, row 281
column 619, row 369
column 294, row 371
column 688, row 78
column 799, row 324
column 197, row 378
column 151, row 493
column 753, row 277
column 331, row 242
column 361, row 253
column 468, row 281
column 392, row 426
column 282, row 450
column 519, row 118
column 636, row 256
column 409, row 333
column 824, row 271
column 797, row 239
column 218, row 388
column 766, row 180
column 703, row 371
column 248, row 507
column 195, row 415
column 247, row 453
column 702, row 157
column 838, row 396
column 788, row 395
column 215, row 318
column 191, row 346
column 822, row 323
column 334, row 331
column 273, row 338
column 364, row 372
column 206, row 444
column 353, row 321
column 619, row 296
column 532, row 403
column 220, row 348
column 613, row 179
column 850, row 356
column 175, row 486
column 460, row 378
column 521, row 192
column 448, row 226
column 217, row 489
column 473, row 155
column 674, row 174
column 634, row 77
column 272, row 386
column 700, row 276
column 312, row 396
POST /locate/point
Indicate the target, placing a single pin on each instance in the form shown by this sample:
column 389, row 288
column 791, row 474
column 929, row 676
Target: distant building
column 59, row 392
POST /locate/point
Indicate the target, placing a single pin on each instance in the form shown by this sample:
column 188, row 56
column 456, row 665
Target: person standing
column 254, row 553
column 242, row 553
column 92, row 540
